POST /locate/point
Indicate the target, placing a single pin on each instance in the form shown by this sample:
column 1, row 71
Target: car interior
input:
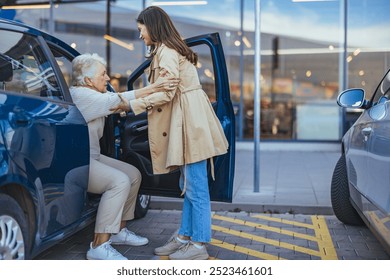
column 6, row 73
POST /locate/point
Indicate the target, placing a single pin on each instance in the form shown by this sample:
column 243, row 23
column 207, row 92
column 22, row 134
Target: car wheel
column 340, row 196
column 142, row 206
column 13, row 230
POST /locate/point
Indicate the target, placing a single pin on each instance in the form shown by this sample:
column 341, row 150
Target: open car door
column 134, row 129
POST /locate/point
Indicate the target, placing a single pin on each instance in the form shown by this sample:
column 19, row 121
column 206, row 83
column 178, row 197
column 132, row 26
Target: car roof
column 19, row 26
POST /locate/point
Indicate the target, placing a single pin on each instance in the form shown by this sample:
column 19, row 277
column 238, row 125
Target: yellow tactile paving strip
column 322, row 237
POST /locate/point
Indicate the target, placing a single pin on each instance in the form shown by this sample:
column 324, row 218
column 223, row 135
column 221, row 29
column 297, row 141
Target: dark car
column 360, row 190
column 44, row 157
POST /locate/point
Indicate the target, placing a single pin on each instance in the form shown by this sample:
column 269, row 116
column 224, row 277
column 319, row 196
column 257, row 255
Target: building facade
column 310, row 51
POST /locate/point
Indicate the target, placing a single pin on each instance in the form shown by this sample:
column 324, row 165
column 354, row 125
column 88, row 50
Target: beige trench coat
column 182, row 124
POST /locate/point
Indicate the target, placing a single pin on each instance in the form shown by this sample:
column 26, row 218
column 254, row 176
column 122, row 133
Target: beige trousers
column 118, row 182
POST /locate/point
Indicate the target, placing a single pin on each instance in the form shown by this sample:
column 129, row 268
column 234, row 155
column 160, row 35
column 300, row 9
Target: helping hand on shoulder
column 165, row 82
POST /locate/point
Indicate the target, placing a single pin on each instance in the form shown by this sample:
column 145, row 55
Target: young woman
column 184, row 131
column 117, row 181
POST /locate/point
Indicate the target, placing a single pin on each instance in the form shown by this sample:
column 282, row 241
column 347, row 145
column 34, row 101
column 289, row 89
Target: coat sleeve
column 168, row 59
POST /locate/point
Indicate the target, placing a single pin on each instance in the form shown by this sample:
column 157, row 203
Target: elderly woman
column 117, row 181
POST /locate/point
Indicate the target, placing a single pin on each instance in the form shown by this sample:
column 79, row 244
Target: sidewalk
column 294, row 178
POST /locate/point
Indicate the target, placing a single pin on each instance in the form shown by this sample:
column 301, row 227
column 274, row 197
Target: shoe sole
column 164, row 253
column 200, row 257
column 131, row 244
column 93, row 259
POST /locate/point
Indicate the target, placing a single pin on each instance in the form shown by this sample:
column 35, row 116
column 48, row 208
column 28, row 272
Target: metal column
column 257, row 80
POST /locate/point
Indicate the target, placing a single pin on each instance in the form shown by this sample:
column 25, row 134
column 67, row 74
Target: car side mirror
column 352, row 98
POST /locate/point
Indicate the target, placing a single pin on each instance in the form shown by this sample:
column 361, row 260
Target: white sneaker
column 127, row 237
column 104, row 252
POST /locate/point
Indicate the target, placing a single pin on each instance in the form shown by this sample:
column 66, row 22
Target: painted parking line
column 321, row 236
column 243, row 250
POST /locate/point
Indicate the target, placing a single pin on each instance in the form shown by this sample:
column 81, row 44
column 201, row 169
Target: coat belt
column 192, row 88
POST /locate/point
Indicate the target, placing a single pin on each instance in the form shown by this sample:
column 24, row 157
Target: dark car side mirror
column 352, row 98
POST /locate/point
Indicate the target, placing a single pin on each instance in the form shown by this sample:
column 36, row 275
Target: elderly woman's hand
column 165, row 82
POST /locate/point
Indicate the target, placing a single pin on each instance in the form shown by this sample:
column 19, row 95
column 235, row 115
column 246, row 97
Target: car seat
column 6, row 73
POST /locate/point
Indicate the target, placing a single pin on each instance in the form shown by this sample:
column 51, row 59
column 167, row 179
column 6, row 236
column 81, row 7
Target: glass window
column 24, row 67
column 64, row 63
column 206, row 70
column 299, row 70
column 368, row 43
column 382, row 93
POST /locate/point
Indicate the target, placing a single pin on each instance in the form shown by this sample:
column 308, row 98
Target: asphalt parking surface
column 243, row 236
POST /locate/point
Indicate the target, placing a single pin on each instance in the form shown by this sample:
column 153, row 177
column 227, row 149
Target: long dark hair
column 162, row 31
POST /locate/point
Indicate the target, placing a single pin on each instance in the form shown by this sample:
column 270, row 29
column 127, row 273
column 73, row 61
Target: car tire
column 142, row 206
column 340, row 196
column 13, row 230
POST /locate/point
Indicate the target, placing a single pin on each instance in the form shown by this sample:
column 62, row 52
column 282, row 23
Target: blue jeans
column 196, row 215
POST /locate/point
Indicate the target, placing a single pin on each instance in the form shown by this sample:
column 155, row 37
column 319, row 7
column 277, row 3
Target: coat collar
column 155, row 63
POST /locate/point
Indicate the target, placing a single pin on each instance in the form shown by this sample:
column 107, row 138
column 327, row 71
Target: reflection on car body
column 360, row 190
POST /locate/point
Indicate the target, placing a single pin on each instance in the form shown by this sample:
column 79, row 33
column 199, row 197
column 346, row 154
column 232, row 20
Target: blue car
column 360, row 190
column 44, row 146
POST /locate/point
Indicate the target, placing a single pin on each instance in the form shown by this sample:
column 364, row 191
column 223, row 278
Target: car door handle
column 139, row 128
column 366, row 131
column 19, row 119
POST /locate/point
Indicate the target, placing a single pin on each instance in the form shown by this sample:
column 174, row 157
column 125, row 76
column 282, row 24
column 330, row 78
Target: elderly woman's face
column 99, row 82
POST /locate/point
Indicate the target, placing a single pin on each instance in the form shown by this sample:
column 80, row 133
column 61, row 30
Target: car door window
column 25, row 68
column 206, row 70
column 64, row 62
column 382, row 93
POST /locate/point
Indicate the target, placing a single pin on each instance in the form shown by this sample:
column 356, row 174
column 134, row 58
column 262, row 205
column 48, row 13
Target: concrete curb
column 290, row 146
column 256, row 208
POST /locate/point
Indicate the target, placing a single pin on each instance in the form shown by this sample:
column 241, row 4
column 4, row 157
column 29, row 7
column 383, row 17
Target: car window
column 64, row 62
column 25, row 68
column 382, row 92
column 206, row 70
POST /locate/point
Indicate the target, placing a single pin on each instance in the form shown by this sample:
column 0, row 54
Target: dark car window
column 24, row 68
column 206, row 70
column 64, row 62
column 382, row 92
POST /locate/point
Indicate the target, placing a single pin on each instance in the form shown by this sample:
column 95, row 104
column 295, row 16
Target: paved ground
column 244, row 236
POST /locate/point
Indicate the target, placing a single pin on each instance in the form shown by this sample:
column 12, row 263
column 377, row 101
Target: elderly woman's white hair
column 83, row 66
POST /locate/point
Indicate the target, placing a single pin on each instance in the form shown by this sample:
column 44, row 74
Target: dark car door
column 45, row 135
column 214, row 79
